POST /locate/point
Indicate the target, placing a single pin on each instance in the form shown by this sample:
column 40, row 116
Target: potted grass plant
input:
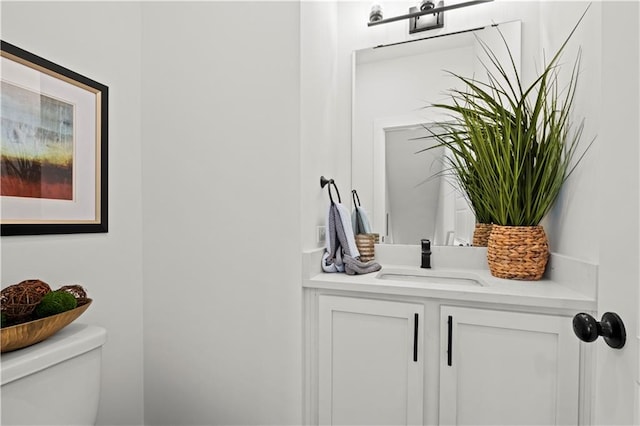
column 511, row 148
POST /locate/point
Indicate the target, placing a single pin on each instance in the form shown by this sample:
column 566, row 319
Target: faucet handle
column 426, row 253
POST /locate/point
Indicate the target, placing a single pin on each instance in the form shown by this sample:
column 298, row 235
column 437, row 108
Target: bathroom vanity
column 447, row 345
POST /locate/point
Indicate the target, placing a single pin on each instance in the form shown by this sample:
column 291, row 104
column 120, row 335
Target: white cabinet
column 507, row 368
column 370, row 361
column 408, row 360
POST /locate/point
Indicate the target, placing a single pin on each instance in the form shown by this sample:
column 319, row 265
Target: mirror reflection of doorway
column 421, row 200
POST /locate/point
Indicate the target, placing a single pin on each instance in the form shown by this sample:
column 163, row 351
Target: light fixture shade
column 426, row 4
column 375, row 14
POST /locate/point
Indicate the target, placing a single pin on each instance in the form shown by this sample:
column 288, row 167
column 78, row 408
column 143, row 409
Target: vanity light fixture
column 417, row 16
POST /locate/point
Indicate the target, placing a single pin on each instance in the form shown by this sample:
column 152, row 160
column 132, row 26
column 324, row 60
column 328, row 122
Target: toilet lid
column 73, row 340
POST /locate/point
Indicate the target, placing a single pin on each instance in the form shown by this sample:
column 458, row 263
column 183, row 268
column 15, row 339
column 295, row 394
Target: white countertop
column 546, row 293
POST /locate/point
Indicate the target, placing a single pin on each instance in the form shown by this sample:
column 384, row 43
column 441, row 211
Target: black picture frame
column 85, row 208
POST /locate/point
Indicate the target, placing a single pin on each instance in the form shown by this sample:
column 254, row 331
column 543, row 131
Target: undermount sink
column 429, row 277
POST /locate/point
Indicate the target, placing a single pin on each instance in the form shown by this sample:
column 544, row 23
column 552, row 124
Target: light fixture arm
column 427, row 12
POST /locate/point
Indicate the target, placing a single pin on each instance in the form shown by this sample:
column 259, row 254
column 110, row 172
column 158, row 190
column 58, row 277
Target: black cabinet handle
column 415, row 338
column 449, row 340
column 611, row 328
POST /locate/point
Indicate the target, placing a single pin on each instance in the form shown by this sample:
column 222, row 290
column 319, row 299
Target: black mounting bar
column 427, row 11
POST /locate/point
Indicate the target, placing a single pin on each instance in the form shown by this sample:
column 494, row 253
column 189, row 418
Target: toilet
column 54, row 382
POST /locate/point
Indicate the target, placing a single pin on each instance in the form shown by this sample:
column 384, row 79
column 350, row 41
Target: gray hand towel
column 342, row 252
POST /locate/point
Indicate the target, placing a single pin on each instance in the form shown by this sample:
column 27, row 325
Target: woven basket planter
column 366, row 246
column 481, row 234
column 518, row 252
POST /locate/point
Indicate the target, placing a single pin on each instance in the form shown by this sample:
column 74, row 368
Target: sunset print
column 36, row 145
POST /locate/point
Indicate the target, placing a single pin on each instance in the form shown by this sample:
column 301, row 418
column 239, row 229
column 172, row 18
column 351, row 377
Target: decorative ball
column 19, row 300
column 54, row 303
column 77, row 291
column 4, row 320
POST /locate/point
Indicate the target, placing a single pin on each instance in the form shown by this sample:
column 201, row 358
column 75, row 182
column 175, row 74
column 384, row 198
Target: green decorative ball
column 54, row 303
column 4, row 320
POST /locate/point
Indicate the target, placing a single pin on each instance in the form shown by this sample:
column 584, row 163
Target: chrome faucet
column 426, row 253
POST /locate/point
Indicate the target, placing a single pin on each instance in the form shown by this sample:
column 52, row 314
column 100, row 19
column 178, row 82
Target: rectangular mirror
column 393, row 86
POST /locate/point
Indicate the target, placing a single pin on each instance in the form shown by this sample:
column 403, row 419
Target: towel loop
column 354, row 195
column 323, row 182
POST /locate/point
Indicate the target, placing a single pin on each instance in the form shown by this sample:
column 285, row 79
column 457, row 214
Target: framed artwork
column 53, row 146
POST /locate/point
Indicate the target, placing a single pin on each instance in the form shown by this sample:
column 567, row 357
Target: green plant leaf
column 511, row 148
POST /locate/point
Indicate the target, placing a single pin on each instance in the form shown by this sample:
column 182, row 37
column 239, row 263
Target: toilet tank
column 54, row 382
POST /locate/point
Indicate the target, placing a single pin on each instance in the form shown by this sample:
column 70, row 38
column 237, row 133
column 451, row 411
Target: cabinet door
column 370, row 361
column 506, row 368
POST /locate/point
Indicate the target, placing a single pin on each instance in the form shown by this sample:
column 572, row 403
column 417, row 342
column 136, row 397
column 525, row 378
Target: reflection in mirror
column 393, row 85
column 433, row 204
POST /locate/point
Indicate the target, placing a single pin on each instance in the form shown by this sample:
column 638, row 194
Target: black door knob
column 611, row 328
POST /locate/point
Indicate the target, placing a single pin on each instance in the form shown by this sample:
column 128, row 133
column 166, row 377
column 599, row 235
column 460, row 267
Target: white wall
column 323, row 153
column 221, row 152
column 206, row 96
column 101, row 41
column 568, row 224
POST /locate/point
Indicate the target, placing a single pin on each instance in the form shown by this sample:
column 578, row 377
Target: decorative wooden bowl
column 26, row 334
